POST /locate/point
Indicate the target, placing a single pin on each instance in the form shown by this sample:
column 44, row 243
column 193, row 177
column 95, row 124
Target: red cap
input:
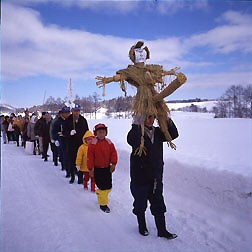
column 100, row 126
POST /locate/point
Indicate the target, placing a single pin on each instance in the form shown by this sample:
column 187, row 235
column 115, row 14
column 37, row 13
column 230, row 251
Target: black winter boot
column 161, row 228
column 72, row 180
column 80, row 177
column 142, row 225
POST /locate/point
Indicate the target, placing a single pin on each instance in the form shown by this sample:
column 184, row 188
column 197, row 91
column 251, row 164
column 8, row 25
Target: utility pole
column 70, row 96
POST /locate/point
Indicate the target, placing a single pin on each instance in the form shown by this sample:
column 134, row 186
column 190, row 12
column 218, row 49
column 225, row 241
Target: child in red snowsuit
column 102, row 159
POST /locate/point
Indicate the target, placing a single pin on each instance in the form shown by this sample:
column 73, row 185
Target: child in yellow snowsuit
column 81, row 160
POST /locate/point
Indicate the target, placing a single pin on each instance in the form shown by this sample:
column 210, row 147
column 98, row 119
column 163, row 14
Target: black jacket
column 45, row 130
column 58, row 126
column 76, row 140
column 146, row 168
column 38, row 127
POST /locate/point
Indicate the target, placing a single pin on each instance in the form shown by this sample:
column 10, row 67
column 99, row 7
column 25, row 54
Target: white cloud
column 173, row 6
column 226, row 38
column 236, row 18
column 223, row 79
column 31, row 48
column 163, row 7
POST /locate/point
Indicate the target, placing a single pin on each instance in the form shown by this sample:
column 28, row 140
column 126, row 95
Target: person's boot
column 80, row 177
column 105, row 209
column 85, row 185
column 142, row 225
column 161, row 228
column 71, row 180
column 62, row 167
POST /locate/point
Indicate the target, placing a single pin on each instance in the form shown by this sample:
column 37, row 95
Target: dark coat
column 76, row 140
column 57, row 127
column 45, row 130
column 38, row 127
column 146, row 168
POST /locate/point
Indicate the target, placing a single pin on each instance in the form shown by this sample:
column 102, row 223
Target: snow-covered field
column 207, row 189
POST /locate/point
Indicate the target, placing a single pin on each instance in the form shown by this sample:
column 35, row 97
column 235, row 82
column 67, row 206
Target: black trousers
column 103, row 178
column 152, row 192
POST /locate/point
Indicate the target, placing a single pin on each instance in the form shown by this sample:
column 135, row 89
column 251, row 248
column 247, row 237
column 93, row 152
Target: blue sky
column 45, row 43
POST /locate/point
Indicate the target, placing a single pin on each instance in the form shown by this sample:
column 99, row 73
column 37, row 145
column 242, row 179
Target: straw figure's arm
column 173, row 71
column 174, row 85
column 102, row 81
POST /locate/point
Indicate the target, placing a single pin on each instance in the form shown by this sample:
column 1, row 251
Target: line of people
column 93, row 155
column 89, row 155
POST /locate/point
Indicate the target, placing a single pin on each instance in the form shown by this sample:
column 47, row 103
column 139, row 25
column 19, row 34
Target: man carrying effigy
column 145, row 78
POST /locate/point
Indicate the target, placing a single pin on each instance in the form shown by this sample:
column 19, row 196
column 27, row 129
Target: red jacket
column 101, row 153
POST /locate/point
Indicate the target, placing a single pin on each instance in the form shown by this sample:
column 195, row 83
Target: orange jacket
column 101, row 153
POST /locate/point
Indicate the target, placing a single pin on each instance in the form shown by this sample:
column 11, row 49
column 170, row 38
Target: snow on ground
column 207, row 189
column 201, row 104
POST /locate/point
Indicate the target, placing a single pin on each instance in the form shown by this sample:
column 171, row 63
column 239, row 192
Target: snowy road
column 41, row 212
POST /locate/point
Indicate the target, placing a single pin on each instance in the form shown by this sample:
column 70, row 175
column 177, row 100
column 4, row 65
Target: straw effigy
column 147, row 100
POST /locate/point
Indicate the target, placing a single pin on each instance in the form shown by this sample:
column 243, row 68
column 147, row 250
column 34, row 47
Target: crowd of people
column 83, row 154
column 90, row 155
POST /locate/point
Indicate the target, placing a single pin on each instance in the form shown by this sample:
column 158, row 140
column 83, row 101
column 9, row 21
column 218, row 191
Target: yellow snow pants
column 103, row 196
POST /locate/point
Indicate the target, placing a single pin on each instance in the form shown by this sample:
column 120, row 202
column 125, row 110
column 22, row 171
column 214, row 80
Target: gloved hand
column 78, row 167
column 57, row 144
column 52, row 141
column 91, row 173
column 73, row 132
column 112, row 168
column 60, row 133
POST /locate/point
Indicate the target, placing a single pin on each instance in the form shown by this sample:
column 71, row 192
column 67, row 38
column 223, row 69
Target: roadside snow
column 207, row 189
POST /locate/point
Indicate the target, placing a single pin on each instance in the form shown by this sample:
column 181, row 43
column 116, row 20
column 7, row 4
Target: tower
column 70, row 96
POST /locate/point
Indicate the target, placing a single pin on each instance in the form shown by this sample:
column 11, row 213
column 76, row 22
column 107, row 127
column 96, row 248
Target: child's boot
column 92, row 185
column 85, row 185
column 80, row 177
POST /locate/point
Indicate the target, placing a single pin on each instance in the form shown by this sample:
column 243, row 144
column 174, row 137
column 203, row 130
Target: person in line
column 75, row 128
column 24, row 132
column 31, row 133
column 10, row 128
column 146, row 173
column 81, row 160
column 18, row 126
column 61, row 141
column 45, row 133
column 38, row 132
column 5, row 129
column 27, row 114
column 102, row 160
column 53, row 145
column 1, row 124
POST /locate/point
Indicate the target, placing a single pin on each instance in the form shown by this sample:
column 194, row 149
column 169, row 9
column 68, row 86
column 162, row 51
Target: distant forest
column 236, row 102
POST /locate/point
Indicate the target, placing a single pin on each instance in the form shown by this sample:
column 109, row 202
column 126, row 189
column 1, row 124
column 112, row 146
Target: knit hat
column 76, row 107
column 100, row 126
column 65, row 109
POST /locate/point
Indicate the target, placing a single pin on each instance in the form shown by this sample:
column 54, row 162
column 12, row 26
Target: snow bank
column 207, row 189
